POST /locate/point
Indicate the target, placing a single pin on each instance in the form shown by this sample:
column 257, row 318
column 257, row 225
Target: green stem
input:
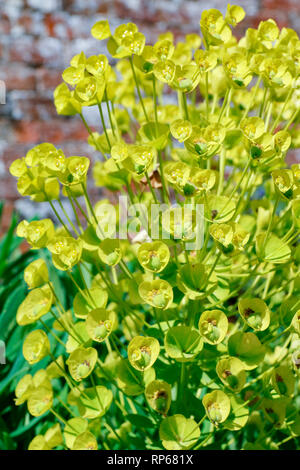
column 138, row 88
column 104, row 125
column 92, row 135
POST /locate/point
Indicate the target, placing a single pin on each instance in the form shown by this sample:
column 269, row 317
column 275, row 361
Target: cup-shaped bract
column 181, row 129
column 216, row 158
column 154, row 134
column 38, row 233
column 206, row 60
column 75, row 171
column 223, row 235
column 94, row 402
column 231, row 372
column 37, row 303
column 101, row 30
column 157, row 293
column 217, row 406
column 56, row 368
column 143, row 352
column 218, row 209
column 158, row 394
column 85, row 441
column 140, row 159
column 53, row 436
column 253, row 128
column 134, row 44
column 24, row 389
column 180, row 222
column 65, row 102
column 109, row 251
column 283, row 182
column 183, row 343
column 73, row 75
column 255, row 313
column 81, row 362
column 38, row 443
column 275, row 410
column 66, row 252
column 248, row 348
column 87, row 300
column 213, row 326
column 36, row 274
column 272, row 249
column 203, row 180
column 238, row 416
column 132, row 381
column 234, row 14
column 36, row 346
column 283, row 380
column 154, row 256
column 193, row 281
column 99, row 324
column 73, row 428
column 178, row 432
column 205, row 142
column 164, row 71
column 97, row 65
column 282, row 141
column 214, row 28
column 40, row 401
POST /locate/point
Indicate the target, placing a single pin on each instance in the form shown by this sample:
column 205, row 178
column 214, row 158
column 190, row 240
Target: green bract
column 81, row 362
column 158, row 394
column 154, row 256
column 36, row 274
column 37, row 303
column 231, row 371
column 157, row 293
column 94, row 402
column 85, row 301
column 99, row 323
column 213, row 326
column 217, row 406
column 183, row 343
column 131, row 380
column 143, row 352
column 248, row 348
column 178, row 432
column 255, row 312
column 109, row 252
column 36, row 346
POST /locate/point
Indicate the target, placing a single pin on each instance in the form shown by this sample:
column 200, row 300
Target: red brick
column 18, row 77
column 55, row 131
column 47, row 79
column 281, row 18
column 280, row 5
column 37, row 52
column 4, row 24
column 35, row 109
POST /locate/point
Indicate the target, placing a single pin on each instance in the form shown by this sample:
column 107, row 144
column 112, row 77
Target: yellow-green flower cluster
column 160, row 345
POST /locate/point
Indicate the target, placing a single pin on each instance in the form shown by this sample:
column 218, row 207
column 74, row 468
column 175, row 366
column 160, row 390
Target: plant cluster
column 164, row 347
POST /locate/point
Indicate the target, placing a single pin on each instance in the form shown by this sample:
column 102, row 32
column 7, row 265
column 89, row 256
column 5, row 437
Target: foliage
column 161, row 345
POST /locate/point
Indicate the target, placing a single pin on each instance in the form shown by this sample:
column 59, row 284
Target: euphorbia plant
column 168, row 346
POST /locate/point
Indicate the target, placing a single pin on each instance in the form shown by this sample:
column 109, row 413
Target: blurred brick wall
column 37, row 40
